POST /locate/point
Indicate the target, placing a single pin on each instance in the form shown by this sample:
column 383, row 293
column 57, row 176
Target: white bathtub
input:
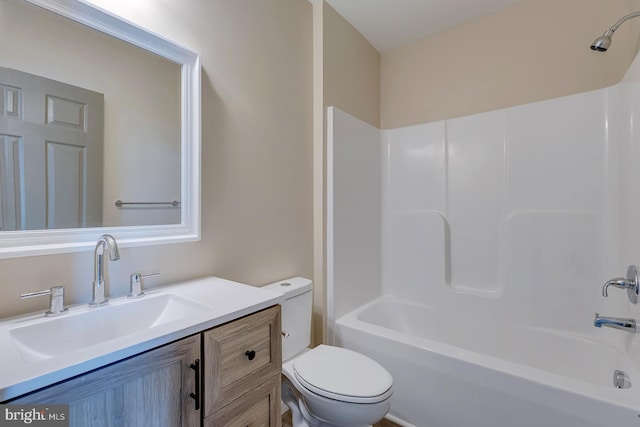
column 460, row 371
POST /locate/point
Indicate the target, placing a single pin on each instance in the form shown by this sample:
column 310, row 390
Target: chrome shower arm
column 615, row 26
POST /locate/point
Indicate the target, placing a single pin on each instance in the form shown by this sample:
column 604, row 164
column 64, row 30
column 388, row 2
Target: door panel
column 11, row 168
column 66, row 180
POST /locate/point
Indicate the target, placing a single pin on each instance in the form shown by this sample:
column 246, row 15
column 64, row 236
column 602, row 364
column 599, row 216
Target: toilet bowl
column 332, row 386
column 326, row 385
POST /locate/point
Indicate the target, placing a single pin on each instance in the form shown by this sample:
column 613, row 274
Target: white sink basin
column 37, row 351
column 70, row 333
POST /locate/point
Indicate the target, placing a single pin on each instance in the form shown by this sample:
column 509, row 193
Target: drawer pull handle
column 250, row 354
column 196, row 396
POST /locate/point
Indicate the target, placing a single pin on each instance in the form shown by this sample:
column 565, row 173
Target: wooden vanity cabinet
column 243, row 361
column 151, row 389
column 238, row 382
column 257, row 408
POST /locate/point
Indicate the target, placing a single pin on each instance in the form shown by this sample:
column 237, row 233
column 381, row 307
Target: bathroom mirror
column 93, row 71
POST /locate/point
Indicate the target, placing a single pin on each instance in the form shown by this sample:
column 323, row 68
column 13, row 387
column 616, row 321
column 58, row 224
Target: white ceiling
column 388, row 24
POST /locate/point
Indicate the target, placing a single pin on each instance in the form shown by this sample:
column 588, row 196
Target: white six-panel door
column 51, row 144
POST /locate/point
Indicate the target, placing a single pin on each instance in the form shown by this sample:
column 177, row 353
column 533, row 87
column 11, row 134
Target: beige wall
column 531, row 51
column 318, row 332
column 351, row 69
column 256, row 148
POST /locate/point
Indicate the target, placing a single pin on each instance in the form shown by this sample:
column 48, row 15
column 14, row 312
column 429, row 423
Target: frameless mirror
column 99, row 130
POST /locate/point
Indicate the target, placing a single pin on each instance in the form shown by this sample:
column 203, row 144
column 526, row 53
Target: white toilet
column 325, row 386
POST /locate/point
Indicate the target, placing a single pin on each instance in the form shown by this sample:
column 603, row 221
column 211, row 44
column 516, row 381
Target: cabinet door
column 239, row 356
column 152, row 389
column 258, row 408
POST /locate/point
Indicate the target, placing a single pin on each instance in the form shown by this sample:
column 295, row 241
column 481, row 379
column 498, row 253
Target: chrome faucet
column 106, row 242
column 621, row 323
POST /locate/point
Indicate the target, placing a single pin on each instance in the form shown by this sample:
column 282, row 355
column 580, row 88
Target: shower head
column 602, row 43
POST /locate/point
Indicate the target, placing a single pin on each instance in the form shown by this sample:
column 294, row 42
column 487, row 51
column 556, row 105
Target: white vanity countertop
column 210, row 302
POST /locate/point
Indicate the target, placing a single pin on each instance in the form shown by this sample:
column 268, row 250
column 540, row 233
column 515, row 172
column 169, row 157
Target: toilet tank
column 296, row 314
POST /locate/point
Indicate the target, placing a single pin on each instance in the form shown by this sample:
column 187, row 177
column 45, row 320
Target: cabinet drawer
column 239, row 356
column 258, row 408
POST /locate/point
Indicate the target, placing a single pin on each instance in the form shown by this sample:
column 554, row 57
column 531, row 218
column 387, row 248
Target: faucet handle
column 136, row 284
column 618, row 282
column 630, row 283
column 56, row 301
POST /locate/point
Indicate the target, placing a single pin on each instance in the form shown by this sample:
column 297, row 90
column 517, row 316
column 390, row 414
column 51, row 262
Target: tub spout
column 623, row 324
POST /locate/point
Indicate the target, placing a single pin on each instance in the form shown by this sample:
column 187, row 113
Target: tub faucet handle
column 618, row 282
column 630, row 283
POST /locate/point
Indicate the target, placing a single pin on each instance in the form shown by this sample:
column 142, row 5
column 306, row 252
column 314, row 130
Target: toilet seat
column 344, row 375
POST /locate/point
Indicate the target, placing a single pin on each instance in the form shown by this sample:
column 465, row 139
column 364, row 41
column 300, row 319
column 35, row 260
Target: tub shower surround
column 468, row 257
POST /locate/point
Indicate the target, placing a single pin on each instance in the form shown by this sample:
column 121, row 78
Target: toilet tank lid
column 291, row 287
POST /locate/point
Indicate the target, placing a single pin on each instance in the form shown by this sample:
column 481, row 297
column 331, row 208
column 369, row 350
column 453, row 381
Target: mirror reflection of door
column 51, row 144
